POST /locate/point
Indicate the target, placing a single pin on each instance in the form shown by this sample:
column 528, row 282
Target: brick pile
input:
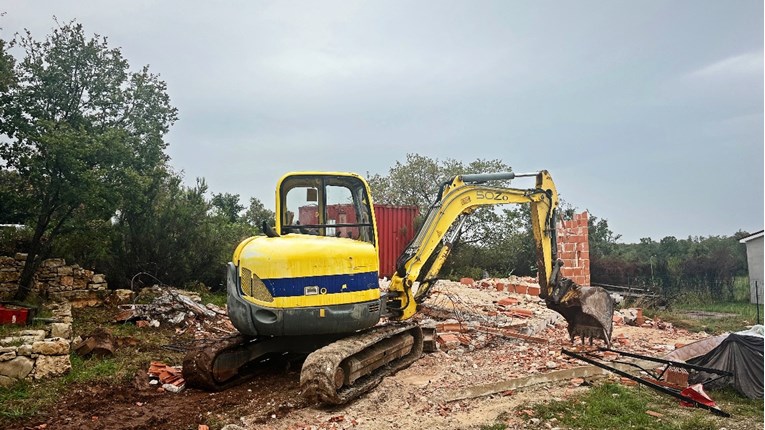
column 169, row 378
column 513, row 284
column 479, row 345
column 56, row 280
column 522, row 333
column 495, row 302
column 574, row 248
column 471, row 314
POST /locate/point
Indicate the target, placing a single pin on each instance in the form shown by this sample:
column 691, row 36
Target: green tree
column 603, row 241
column 80, row 130
column 257, row 213
column 14, row 198
column 497, row 240
column 7, row 76
column 418, row 180
column 227, row 205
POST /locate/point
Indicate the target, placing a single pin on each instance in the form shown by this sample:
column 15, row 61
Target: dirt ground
column 416, row 397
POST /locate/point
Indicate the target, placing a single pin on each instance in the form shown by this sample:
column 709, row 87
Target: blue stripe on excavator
column 290, row 287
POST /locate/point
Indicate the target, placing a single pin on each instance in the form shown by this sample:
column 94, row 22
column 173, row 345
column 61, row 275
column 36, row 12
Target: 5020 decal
column 490, row 195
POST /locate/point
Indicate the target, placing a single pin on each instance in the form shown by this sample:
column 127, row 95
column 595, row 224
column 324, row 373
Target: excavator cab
column 325, row 205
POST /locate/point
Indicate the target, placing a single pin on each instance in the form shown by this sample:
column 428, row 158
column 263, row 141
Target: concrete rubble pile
column 488, row 323
column 634, row 317
column 480, row 311
column 180, row 309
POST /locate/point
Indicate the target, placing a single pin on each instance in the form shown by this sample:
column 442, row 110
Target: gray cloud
column 648, row 113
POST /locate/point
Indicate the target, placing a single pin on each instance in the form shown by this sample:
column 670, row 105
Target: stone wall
column 55, row 280
column 574, row 248
column 40, row 353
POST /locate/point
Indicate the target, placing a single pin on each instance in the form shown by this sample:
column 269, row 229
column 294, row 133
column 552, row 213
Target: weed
column 14, row 342
column 14, row 412
column 218, row 298
column 736, row 404
column 12, row 400
column 603, row 407
column 91, row 370
column 698, row 422
column 17, row 391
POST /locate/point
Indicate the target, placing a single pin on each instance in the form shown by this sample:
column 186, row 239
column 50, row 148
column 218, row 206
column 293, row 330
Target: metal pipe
column 656, row 387
column 670, row 362
column 483, row 177
column 757, row 299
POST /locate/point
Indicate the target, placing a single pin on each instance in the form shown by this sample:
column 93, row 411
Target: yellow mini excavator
column 310, row 284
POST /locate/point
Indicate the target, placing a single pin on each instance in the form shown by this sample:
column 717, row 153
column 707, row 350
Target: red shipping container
column 13, row 316
column 395, row 229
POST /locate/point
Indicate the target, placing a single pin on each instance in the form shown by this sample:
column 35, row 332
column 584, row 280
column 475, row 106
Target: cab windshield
column 336, row 206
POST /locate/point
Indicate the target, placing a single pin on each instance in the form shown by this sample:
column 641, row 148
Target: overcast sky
column 647, row 113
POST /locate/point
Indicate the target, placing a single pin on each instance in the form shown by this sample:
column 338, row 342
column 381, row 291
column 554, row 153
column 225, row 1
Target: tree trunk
column 40, row 249
column 33, row 260
column 27, row 277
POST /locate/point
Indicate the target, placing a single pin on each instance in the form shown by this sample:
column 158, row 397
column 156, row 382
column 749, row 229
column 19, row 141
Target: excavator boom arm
column 458, row 198
column 587, row 310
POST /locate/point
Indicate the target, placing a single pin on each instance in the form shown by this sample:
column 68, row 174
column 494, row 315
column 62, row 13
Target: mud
column 138, row 406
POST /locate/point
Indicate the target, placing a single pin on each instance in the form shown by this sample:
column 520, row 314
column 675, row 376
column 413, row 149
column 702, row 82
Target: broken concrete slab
column 527, row 381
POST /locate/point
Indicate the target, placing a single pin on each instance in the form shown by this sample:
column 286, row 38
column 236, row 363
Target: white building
column 754, row 260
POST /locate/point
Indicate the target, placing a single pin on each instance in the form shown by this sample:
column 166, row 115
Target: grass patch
column 735, row 404
column 710, row 316
column 605, row 406
column 613, row 406
column 699, row 311
column 218, row 298
column 92, row 370
column 25, row 399
column 11, row 398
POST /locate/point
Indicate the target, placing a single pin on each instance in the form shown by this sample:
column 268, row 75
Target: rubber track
column 198, row 364
column 317, row 376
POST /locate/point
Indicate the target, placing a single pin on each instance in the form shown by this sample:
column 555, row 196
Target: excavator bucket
column 588, row 310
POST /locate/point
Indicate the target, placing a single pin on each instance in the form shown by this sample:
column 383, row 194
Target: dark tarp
column 740, row 354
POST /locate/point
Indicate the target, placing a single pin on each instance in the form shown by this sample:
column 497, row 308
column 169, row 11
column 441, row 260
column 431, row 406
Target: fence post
column 757, row 299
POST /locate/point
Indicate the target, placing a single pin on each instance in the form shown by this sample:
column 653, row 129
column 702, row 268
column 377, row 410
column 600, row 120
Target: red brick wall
column 574, row 248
